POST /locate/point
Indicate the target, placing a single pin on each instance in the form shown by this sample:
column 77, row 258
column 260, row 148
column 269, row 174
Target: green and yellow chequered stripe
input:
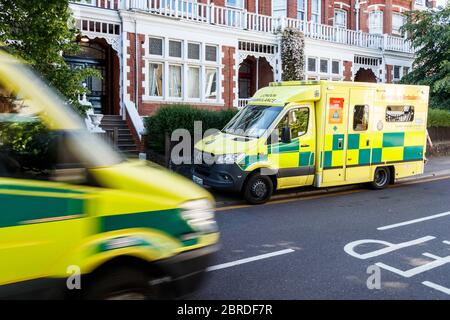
column 290, row 151
column 383, row 147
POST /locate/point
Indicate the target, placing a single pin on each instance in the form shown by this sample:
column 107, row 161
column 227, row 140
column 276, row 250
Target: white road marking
column 401, row 224
column 436, row 287
column 247, row 260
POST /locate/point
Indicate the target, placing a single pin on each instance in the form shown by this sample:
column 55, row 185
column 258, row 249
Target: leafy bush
column 438, row 118
column 181, row 116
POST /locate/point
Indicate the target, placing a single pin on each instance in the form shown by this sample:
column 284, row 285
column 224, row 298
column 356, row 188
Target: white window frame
column 147, row 87
column 200, row 53
column 240, row 4
column 340, row 68
column 400, row 72
column 147, row 48
column 376, row 28
column 328, row 66
column 316, row 59
column 318, row 13
column 397, row 28
column 301, row 10
column 217, row 52
column 182, row 49
column 218, row 85
column 279, row 9
column 341, row 11
column 199, row 67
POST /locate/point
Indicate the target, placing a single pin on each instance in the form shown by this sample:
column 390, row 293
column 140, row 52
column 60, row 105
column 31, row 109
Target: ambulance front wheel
column 258, row 189
column 381, row 178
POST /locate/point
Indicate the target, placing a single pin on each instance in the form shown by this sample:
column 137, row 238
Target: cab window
column 298, row 122
column 360, row 117
column 28, row 149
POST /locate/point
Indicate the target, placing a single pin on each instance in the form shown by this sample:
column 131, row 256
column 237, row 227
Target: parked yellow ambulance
column 78, row 220
column 318, row 133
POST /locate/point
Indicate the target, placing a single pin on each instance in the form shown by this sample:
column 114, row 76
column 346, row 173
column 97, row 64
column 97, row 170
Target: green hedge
column 177, row 116
column 438, row 118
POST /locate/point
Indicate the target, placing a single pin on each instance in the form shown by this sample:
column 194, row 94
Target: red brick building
column 217, row 53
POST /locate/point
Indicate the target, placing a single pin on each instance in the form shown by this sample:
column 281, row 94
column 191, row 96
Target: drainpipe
column 136, row 64
column 357, row 7
column 257, row 74
column 257, row 6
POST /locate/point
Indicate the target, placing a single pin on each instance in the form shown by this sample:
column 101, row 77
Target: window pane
column 396, row 72
column 175, row 81
column 340, row 18
column 312, row 64
column 211, row 53
column 360, row 117
column 194, row 82
column 194, row 51
column 156, row 46
column 279, row 8
column 397, row 22
column 376, row 22
column 315, row 6
column 323, row 66
column 335, row 67
column 156, row 79
column 399, row 113
column 211, row 84
column 235, row 3
column 298, row 122
column 175, row 49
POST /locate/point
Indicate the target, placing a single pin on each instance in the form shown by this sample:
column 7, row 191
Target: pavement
column 349, row 244
column 435, row 166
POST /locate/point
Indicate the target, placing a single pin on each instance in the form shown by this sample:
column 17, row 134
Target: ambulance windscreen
column 252, row 121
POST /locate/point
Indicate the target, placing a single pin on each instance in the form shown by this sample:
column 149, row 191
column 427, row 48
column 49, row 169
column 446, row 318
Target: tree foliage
column 39, row 32
column 292, row 54
column 429, row 32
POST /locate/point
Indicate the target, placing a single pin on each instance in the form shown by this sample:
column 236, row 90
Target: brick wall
column 347, row 72
column 389, row 73
column 228, row 75
column 292, row 8
column 131, row 63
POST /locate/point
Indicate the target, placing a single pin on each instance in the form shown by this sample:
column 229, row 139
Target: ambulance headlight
column 199, row 214
column 229, row 158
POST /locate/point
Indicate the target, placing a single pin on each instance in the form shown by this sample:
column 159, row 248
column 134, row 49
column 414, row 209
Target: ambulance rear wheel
column 258, row 189
column 381, row 178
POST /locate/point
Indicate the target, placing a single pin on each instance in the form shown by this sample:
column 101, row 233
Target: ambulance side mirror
column 286, row 134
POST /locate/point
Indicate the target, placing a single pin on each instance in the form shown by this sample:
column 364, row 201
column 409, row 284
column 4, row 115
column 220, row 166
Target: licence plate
column 197, row 180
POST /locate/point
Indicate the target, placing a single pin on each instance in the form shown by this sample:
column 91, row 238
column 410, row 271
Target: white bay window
column 182, row 71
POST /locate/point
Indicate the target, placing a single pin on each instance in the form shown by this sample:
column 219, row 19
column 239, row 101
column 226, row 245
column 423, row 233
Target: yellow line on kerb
column 326, row 195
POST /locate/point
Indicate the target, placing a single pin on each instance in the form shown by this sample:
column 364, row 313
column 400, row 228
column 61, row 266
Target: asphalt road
column 297, row 246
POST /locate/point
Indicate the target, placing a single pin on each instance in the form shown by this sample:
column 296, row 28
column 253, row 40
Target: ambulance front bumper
column 227, row 177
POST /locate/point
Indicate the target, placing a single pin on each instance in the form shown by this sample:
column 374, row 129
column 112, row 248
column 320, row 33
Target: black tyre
column 381, row 178
column 258, row 189
column 122, row 283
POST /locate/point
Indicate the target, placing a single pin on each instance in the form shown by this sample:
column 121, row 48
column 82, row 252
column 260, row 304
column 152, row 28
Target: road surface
column 302, row 248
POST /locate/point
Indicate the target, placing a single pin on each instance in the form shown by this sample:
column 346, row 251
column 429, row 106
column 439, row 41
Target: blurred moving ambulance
column 319, row 133
column 79, row 221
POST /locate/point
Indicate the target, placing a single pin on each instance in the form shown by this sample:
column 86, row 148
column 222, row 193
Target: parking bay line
column 247, row 260
column 404, row 223
column 436, row 287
